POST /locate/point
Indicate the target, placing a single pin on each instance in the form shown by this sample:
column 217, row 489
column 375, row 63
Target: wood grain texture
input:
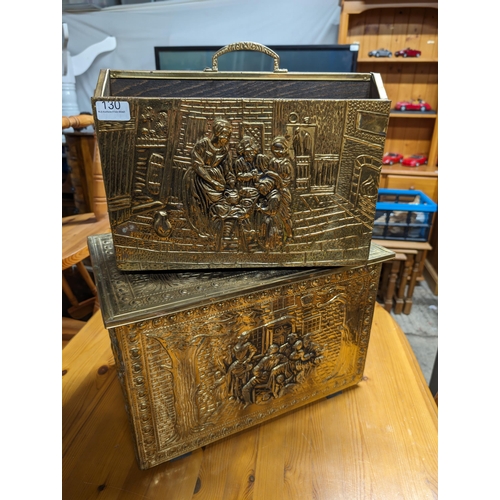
column 99, row 202
column 77, row 122
column 429, row 185
column 75, row 231
column 376, row 440
column 240, row 89
column 80, row 153
column 70, row 327
column 410, row 135
column 421, row 171
column 86, row 169
column 395, row 25
column 406, row 79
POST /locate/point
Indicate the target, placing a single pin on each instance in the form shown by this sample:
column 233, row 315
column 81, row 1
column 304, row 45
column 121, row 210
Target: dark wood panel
column 80, row 154
column 395, row 29
column 217, row 88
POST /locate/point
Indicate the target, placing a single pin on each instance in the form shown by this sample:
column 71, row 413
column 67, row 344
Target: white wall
column 139, row 28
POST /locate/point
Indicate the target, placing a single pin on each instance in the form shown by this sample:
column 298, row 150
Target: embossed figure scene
column 254, row 377
column 255, row 182
column 246, row 201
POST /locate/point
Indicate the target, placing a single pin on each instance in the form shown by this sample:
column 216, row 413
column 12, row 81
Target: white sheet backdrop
column 139, row 28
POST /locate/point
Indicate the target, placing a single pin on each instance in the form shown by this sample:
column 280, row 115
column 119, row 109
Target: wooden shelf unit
column 394, row 26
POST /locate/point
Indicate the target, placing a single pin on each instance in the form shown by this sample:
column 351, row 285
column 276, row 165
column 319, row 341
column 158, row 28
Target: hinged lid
column 127, row 297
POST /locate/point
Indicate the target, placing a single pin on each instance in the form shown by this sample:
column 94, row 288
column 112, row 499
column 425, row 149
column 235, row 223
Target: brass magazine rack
column 239, row 279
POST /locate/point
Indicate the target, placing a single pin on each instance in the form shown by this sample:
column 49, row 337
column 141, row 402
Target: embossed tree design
column 183, row 353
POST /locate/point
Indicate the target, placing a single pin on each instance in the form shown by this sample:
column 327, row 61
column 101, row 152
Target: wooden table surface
column 377, row 440
column 75, row 231
column 404, row 245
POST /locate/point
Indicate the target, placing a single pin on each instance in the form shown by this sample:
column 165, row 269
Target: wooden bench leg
column 384, row 279
column 403, row 280
column 413, row 281
column 391, row 285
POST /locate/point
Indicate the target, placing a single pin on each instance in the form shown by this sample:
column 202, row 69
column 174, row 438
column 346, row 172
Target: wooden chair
column 75, row 231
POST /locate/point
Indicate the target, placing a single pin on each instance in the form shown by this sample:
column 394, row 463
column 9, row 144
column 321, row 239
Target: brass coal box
column 210, row 169
column 203, row 355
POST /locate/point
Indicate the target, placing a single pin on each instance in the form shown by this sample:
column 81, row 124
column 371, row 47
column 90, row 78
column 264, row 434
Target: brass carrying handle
column 257, row 47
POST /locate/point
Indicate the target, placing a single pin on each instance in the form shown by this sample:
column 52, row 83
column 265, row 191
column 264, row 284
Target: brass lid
column 127, row 297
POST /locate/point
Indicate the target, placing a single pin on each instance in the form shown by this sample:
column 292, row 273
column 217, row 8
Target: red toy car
column 408, row 53
column 391, row 158
column 415, row 160
column 416, row 105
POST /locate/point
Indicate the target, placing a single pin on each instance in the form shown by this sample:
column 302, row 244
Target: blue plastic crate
column 403, row 215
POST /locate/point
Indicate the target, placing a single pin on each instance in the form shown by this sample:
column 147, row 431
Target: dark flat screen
column 301, row 58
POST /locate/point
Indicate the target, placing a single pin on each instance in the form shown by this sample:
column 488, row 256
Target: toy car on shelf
column 415, row 105
column 380, row 53
column 415, row 160
column 391, row 158
column 408, row 53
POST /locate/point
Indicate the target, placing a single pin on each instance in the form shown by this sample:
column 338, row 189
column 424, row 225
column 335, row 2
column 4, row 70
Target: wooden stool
column 404, row 276
column 388, row 280
column 416, row 273
column 418, row 250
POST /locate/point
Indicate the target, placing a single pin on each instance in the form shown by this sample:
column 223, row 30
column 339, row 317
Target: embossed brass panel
column 238, row 170
column 202, row 355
